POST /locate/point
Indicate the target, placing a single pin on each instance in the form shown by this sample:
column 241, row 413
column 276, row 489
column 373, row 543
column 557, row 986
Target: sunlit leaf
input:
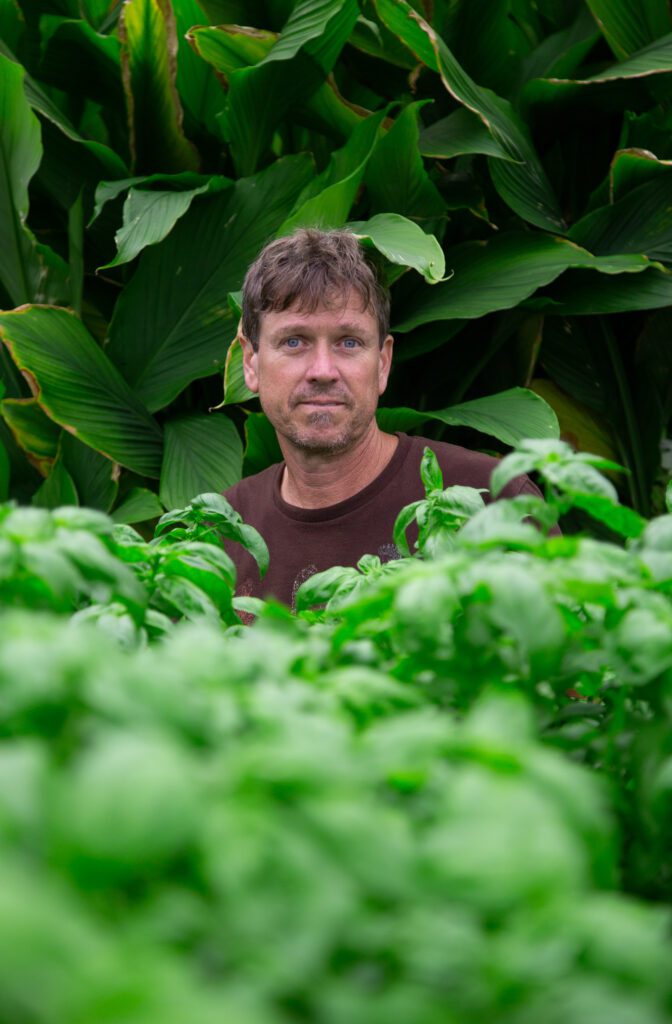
column 151, row 215
column 79, row 388
column 401, row 241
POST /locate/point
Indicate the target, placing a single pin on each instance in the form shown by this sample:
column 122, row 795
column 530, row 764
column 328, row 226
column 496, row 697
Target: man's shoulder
column 465, row 467
column 459, row 465
column 251, row 489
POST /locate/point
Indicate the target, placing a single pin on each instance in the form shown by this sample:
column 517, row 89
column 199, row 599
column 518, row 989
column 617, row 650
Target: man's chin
column 321, row 440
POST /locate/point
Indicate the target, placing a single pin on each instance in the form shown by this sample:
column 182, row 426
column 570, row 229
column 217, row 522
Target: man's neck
column 317, row 481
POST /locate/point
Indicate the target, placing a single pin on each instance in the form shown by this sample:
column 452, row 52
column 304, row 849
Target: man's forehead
column 346, row 311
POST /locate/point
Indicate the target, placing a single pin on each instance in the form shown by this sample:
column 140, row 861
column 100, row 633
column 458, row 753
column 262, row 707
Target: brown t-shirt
column 303, row 541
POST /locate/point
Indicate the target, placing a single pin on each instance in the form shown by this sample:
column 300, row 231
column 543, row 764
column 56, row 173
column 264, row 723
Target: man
column 317, row 350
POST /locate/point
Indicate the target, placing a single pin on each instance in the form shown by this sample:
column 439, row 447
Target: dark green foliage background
column 148, row 151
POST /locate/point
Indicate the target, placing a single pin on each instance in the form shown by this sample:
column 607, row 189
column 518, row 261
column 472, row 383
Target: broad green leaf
column 201, row 453
column 396, row 179
column 630, row 25
column 640, row 222
column 29, row 272
column 501, row 273
column 510, row 416
column 198, row 87
column 79, row 388
column 138, row 506
column 522, row 183
column 633, row 167
column 96, row 479
column 149, row 216
column 148, row 45
column 235, row 388
column 58, row 489
column 33, row 431
column 461, row 133
column 579, row 292
column 262, row 94
column 560, row 54
column 187, row 181
column 172, row 322
column 232, row 47
column 407, row 25
column 371, row 37
column 327, row 199
column 489, row 40
column 403, row 242
column 40, row 101
column 655, row 59
column 261, row 444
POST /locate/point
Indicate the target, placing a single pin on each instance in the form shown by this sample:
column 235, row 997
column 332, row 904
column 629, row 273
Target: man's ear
column 385, row 363
column 249, row 361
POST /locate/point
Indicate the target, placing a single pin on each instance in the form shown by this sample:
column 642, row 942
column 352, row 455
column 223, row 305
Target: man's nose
column 322, row 364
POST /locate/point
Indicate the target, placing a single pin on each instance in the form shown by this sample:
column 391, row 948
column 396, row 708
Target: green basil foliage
column 439, row 792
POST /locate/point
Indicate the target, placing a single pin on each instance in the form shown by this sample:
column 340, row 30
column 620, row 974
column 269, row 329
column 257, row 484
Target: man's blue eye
column 350, row 343
column 293, row 342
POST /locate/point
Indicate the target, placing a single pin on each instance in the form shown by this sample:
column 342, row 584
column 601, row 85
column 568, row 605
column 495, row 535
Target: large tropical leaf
column 499, row 274
column 326, row 200
column 138, row 506
column 150, row 215
column 396, row 178
column 28, row 271
column 461, row 133
column 172, row 323
column 96, row 478
column 522, row 183
column 33, row 431
column 404, row 243
column 509, row 416
column 41, row 103
column 200, row 91
column 630, row 25
column 235, row 388
column 579, row 292
column 295, row 67
column 149, row 44
column 640, row 222
column 79, row 388
column 202, row 453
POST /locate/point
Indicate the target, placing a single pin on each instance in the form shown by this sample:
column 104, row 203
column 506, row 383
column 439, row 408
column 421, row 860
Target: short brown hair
column 310, row 267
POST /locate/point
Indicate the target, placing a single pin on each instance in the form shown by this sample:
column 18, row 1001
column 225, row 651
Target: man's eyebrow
column 303, row 328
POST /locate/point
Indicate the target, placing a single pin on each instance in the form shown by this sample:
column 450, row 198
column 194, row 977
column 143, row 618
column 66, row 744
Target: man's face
column 319, row 375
